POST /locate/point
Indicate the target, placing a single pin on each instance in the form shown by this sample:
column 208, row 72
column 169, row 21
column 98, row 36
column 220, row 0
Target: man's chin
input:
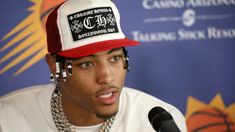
column 108, row 111
column 106, row 115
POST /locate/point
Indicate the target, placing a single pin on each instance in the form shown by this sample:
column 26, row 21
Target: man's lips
column 107, row 96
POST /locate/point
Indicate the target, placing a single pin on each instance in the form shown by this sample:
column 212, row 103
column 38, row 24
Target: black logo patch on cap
column 92, row 22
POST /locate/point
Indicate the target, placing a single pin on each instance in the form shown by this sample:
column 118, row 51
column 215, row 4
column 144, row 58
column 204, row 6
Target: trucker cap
column 79, row 28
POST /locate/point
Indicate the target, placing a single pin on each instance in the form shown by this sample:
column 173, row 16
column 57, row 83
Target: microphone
column 162, row 121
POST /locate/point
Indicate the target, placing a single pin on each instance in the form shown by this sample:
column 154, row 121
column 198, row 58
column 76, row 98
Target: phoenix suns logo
column 212, row 117
column 30, row 37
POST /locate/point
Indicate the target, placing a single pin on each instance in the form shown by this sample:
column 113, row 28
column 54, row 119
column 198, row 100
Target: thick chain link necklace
column 61, row 121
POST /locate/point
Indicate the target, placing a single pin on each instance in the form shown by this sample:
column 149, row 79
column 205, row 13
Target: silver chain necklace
column 61, row 121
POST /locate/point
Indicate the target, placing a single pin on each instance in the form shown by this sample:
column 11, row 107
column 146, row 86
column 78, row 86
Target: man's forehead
column 102, row 52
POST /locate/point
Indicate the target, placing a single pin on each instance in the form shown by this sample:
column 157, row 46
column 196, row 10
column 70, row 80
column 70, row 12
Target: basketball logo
column 210, row 119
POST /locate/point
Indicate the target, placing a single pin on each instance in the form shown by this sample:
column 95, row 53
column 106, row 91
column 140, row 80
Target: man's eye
column 116, row 58
column 86, row 65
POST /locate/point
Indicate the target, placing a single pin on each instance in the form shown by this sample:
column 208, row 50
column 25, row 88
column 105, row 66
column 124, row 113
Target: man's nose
column 104, row 74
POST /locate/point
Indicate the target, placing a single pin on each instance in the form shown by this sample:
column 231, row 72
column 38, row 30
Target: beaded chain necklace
column 61, row 121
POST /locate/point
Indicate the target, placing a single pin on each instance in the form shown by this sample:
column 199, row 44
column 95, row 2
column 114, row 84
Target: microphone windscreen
column 157, row 115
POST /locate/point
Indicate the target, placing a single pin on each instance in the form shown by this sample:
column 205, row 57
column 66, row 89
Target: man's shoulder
column 26, row 107
column 142, row 98
column 141, row 102
column 26, row 93
column 145, row 100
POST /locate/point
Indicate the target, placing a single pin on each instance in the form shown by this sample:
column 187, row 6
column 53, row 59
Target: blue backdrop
column 187, row 48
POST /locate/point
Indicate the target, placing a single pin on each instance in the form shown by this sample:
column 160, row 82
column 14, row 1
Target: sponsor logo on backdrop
column 188, row 17
column 211, row 117
column 166, row 4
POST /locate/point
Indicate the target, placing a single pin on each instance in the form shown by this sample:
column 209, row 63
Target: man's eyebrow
column 83, row 57
column 114, row 49
column 93, row 55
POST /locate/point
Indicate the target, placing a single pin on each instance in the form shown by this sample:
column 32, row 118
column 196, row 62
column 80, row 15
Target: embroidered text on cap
column 92, row 22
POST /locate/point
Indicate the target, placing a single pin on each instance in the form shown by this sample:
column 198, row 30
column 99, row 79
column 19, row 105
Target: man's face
column 96, row 83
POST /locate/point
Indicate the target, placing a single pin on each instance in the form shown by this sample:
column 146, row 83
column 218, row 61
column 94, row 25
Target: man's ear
column 51, row 60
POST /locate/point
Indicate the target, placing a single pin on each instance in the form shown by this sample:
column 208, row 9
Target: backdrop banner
column 186, row 56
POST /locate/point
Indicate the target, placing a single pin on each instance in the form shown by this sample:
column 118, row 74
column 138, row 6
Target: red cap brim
column 97, row 47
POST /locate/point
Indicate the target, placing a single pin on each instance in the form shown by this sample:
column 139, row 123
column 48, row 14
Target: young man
column 88, row 63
